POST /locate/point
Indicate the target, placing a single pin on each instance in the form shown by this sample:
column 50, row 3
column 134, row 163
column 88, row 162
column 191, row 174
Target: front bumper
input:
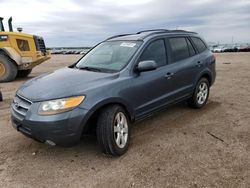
column 63, row 129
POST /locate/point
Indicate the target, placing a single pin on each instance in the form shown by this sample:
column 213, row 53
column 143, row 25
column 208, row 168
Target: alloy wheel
column 202, row 93
column 121, row 130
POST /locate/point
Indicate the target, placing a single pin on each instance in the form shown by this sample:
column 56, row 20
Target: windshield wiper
column 89, row 69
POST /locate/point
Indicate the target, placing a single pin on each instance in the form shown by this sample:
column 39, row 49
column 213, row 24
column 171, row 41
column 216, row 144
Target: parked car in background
column 83, row 52
column 69, row 51
column 244, row 48
column 230, row 48
column 219, row 49
column 124, row 79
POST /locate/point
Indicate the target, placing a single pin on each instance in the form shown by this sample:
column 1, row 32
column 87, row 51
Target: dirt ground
column 180, row 147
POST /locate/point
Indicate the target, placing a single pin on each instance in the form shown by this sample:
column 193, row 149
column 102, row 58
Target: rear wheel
column 8, row 69
column 200, row 95
column 23, row 73
column 113, row 130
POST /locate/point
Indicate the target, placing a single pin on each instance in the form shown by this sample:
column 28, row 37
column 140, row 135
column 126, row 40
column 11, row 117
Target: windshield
column 110, row 56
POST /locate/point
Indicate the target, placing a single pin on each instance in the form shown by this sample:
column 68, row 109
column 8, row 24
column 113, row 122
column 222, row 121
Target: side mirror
column 144, row 66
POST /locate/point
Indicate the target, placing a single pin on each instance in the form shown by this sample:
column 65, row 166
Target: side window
column 190, row 48
column 199, row 44
column 179, row 49
column 155, row 51
column 23, row 45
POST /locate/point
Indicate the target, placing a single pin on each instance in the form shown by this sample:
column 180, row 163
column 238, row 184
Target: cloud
column 84, row 23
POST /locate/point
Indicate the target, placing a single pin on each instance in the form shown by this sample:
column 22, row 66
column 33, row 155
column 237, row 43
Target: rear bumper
column 63, row 129
column 213, row 74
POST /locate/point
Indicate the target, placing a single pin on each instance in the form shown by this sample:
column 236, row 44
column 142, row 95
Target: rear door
column 182, row 65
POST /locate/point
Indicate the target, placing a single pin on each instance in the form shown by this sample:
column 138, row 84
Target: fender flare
column 104, row 103
column 113, row 100
column 204, row 73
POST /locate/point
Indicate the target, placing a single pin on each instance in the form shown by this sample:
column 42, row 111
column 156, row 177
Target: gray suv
column 123, row 79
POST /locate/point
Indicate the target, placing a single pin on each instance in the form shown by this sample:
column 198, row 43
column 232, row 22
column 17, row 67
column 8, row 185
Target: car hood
column 63, row 83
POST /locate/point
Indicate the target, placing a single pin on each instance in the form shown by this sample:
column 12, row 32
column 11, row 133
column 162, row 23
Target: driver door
column 150, row 89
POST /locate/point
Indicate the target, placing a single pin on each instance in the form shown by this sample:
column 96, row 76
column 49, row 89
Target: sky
column 75, row 23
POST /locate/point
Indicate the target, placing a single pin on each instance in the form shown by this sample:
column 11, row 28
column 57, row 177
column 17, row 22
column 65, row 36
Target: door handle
column 169, row 75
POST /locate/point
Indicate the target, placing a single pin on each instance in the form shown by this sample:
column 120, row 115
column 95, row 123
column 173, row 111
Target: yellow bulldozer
column 19, row 52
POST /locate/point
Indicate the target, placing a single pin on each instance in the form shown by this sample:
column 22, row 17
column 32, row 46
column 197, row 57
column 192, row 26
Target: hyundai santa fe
column 121, row 80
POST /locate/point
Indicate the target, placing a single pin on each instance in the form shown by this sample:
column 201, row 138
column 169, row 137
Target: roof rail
column 183, row 31
column 115, row 36
column 162, row 31
column 152, row 30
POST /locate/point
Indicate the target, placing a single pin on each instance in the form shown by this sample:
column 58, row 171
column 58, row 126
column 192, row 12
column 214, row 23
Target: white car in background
column 219, row 49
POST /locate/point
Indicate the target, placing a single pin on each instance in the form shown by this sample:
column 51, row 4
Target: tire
column 200, row 95
column 108, row 130
column 23, row 73
column 8, row 69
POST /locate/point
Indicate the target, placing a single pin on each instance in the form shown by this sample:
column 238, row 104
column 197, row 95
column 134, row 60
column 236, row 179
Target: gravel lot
column 180, row 147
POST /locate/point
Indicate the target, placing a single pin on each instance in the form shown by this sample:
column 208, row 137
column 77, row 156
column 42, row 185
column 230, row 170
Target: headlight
column 59, row 105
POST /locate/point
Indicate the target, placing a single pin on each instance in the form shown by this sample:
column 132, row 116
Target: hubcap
column 121, row 130
column 2, row 69
column 202, row 93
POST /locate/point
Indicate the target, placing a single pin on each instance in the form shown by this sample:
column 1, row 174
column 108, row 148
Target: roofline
column 152, row 32
column 121, row 35
column 168, row 32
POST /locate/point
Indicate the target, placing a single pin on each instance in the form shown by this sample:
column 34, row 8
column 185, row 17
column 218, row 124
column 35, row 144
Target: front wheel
column 113, row 130
column 200, row 95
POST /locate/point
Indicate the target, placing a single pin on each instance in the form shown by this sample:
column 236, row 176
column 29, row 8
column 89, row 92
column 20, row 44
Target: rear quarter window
column 191, row 48
column 200, row 45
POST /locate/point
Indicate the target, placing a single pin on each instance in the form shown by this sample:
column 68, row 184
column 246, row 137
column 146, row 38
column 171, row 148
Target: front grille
column 40, row 45
column 20, row 107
